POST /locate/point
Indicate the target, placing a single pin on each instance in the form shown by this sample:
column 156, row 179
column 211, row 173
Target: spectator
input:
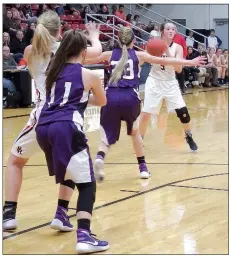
column 138, row 34
column 156, row 31
column 213, row 41
column 59, row 9
column 42, row 8
column 17, row 44
column 136, row 20
column 8, row 24
column 203, row 75
column 219, row 61
column 29, row 34
column 6, row 39
column 103, row 11
column 129, row 20
column 190, row 73
column 190, row 39
column 86, row 10
column 75, row 9
column 109, row 46
column 113, row 9
column 150, row 26
column 121, row 15
column 27, row 11
column 226, row 62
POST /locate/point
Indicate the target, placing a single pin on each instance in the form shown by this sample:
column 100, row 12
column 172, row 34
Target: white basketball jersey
column 40, row 77
column 165, row 73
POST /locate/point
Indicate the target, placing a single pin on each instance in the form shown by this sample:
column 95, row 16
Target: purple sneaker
column 87, row 243
column 144, row 173
column 61, row 221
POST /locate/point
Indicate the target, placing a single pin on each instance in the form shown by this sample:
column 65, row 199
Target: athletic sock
column 84, row 224
column 141, row 160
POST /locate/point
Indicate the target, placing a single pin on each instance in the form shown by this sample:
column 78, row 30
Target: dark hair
column 73, row 43
column 212, row 30
column 128, row 17
column 189, row 47
column 121, row 6
column 225, row 50
column 136, row 16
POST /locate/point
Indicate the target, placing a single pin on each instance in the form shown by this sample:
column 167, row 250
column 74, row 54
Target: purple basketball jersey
column 130, row 77
column 68, row 99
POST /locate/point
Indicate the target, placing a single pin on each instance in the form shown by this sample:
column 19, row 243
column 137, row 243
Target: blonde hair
column 125, row 36
column 45, row 33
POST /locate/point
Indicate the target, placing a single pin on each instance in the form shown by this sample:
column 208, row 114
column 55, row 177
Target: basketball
column 156, row 46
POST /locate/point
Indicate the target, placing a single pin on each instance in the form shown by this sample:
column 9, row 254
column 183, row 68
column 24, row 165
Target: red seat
column 75, row 26
column 82, row 26
column 70, row 17
column 24, row 26
column 63, row 17
column 34, row 6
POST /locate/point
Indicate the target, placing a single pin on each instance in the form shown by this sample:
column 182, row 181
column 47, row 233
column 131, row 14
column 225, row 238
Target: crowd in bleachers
column 19, row 23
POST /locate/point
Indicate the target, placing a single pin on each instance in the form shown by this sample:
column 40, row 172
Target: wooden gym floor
column 182, row 209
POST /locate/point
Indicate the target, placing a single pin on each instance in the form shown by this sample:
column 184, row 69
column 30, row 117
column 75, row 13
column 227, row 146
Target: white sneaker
column 9, row 224
column 99, row 166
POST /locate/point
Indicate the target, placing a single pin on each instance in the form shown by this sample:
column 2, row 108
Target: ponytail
column 119, row 69
column 41, row 45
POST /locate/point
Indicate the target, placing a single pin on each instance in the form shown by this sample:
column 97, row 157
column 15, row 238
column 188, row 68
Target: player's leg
column 61, row 220
column 110, row 123
column 175, row 102
column 152, row 103
column 130, row 114
column 74, row 162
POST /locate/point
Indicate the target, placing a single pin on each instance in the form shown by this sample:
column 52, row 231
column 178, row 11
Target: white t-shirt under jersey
column 165, row 73
column 40, row 77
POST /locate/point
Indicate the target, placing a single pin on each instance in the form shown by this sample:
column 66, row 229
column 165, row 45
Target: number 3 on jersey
column 65, row 96
column 129, row 74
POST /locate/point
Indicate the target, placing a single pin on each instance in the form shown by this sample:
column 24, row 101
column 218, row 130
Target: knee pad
column 86, row 199
column 69, row 183
column 183, row 115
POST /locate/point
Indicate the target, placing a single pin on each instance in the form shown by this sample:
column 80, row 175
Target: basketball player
column 123, row 103
column 37, row 56
column 60, row 129
column 162, row 84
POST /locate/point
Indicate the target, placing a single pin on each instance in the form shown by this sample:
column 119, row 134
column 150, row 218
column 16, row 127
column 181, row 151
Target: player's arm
column 96, row 47
column 27, row 52
column 145, row 57
column 105, row 56
column 91, row 81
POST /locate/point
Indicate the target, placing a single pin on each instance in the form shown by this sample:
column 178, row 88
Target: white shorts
column 156, row 90
column 26, row 143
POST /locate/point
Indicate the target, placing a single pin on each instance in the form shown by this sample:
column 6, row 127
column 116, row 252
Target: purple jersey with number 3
column 68, row 99
column 130, row 77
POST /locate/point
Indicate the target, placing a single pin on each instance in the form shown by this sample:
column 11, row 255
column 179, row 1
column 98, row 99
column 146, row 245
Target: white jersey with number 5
column 165, row 73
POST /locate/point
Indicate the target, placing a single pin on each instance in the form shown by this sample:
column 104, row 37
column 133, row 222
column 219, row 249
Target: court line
column 32, row 165
column 132, row 191
column 185, row 94
column 117, row 201
column 181, row 186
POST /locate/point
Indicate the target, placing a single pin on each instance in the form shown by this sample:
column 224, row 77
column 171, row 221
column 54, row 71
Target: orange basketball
column 156, row 46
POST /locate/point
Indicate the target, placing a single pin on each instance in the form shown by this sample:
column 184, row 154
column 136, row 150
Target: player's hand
column 93, row 30
column 198, row 61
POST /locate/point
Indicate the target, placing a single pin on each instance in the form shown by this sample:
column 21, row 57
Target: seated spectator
column 156, row 31
column 138, row 34
column 59, row 9
column 6, row 39
column 121, row 15
column 113, row 9
column 75, row 9
column 129, row 20
column 109, row 46
column 190, row 39
column 226, row 62
column 213, row 41
column 219, row 61
column 42, row 8
column 150, row 26
column 136, row 20
column 103, row 11
column 190, row 73
column 29, row 34
column 86, row 10
column 9, row 25
column 27, row 11
column 17, row 44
